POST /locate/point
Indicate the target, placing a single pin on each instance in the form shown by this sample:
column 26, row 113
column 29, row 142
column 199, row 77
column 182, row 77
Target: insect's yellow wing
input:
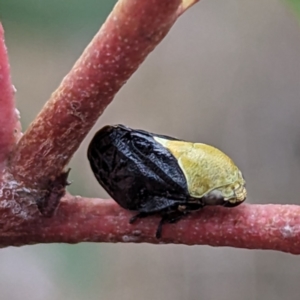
column 205, row 167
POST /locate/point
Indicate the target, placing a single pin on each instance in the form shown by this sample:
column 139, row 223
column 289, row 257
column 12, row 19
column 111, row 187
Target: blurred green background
column 295, row 5
column 228, row 75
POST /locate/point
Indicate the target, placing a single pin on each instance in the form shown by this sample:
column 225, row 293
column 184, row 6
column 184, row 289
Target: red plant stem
column 8, row 118
column 130, row 33
column 274, row 227
column 185, row 4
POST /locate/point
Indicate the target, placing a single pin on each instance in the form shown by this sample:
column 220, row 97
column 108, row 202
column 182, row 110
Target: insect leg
column 139, row 216
column 169, row 218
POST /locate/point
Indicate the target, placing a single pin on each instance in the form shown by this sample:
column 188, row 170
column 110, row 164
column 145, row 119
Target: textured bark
column 275, row 227
column 9, row 125
column 31, row 187
column 130, row 33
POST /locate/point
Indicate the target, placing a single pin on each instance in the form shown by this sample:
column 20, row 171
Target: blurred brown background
column 228, row 75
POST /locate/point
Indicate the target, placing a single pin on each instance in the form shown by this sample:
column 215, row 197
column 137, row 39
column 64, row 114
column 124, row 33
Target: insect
column 157, row 174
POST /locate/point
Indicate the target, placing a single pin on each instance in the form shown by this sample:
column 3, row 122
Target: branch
column 185, row 4
column 275, row 227
column 10, row 127
column 130, row 33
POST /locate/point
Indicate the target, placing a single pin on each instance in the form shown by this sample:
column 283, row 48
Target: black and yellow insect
column 151, row 173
